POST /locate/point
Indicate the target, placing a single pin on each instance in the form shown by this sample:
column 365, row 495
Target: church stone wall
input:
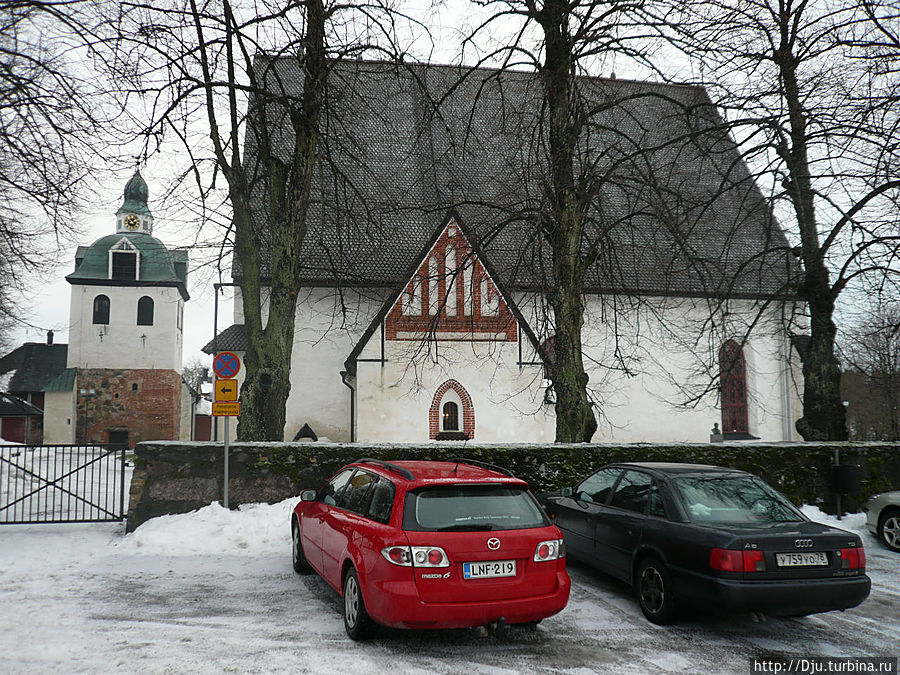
column 145, row 403
column 180, row 477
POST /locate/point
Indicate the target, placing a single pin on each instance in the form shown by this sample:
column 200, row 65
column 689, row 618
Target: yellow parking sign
column 226, row 390
column 226, row 409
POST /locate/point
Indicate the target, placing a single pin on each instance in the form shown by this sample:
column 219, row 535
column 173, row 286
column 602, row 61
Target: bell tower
column 126, row 331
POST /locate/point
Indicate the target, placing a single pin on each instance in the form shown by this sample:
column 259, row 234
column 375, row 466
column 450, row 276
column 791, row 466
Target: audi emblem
column 493, row 543
column 803, row 543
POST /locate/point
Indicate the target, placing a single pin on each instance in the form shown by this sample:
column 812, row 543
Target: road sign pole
column 226, row 462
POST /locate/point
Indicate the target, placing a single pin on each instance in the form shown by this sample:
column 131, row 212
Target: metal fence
column 61, row 484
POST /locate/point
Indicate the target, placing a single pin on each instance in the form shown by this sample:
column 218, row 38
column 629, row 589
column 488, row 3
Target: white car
column 883, row 518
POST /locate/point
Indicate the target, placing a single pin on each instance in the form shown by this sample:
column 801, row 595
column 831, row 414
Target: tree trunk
column 824, row 417
column 267, row 386
column 575, row 421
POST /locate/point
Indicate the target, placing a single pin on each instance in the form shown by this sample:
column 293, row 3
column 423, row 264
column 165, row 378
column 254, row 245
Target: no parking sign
column 226, row 365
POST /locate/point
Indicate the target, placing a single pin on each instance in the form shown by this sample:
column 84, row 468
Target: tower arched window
column 101, row 310
column 145, row 311
column 733, row 387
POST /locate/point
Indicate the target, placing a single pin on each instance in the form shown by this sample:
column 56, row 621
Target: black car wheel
column 356, row 619
column 654, row 591
column 889, row 529
column 301, row 564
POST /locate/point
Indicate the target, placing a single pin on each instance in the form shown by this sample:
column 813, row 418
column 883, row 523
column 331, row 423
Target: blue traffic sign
column 226, row 365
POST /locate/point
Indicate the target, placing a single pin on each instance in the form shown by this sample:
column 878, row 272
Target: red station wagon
column 422, row 544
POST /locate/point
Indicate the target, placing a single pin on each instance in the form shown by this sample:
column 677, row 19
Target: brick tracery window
column 452, row 415
column 451, row 296
column 733, row 386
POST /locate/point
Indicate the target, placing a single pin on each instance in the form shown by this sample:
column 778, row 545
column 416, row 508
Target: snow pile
column 855, row 522
column 252, row 529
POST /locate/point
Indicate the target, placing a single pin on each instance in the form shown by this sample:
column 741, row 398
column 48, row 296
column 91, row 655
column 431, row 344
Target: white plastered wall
column 122, row 343
column 59, row 417
column 394, row 398
column 651, row 366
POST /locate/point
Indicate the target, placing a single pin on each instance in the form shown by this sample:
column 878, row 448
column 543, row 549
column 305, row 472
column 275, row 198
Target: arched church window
column 145, row 311
column 733, row 387
column 450, row 421
column 101, row 309
column 452, row 415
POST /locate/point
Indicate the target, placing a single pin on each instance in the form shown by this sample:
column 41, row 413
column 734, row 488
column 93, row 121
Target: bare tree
column 558, row 40
column 256, row 78
column 870, row 352
column 807, row 89
column 54, row 121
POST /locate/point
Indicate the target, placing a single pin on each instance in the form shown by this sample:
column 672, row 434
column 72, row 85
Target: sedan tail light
column 726, row 560
column 554, row 549
column 416, row 556
column 853, row 559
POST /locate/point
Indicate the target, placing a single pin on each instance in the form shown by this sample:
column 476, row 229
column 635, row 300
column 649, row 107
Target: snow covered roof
column 35, row 364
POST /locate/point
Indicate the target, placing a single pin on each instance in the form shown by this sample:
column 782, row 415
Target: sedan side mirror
column 308, row 496
column 566, row 492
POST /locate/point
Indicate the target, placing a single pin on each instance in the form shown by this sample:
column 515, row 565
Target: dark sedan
column 713, row 538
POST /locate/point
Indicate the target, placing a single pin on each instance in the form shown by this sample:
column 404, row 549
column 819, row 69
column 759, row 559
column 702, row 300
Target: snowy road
column 214, row 592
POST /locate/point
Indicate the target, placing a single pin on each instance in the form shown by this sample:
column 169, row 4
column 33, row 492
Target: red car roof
column 427, row 472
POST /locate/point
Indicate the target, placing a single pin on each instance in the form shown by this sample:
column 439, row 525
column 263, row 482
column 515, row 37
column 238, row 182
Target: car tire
column 301, row 564
column 357, row 623
column 889, row 529
column 654, row 591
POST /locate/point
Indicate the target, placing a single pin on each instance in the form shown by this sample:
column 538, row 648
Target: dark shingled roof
column 35, row 363
column 233, row 338
column 392, row 166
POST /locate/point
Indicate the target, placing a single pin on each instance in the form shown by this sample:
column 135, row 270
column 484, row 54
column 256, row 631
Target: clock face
column 132, row 222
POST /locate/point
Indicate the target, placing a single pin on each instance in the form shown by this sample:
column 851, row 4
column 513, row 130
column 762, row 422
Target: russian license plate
column 800, row 559
column 492, row 568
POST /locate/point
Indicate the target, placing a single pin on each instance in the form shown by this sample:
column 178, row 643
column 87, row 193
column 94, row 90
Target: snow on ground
column 213, row 591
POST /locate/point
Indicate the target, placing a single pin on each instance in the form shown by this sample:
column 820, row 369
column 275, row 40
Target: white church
column 422, row 308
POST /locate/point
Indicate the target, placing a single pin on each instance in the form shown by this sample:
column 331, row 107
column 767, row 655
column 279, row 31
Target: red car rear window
column 472, row 507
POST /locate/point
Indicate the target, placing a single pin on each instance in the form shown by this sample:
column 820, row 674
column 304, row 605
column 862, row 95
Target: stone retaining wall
column 177, row 477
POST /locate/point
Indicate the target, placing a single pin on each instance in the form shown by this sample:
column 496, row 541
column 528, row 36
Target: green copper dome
column 157, row 267
column 136, row 194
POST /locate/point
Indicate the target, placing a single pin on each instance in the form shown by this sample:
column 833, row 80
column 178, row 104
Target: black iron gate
column 61, row 483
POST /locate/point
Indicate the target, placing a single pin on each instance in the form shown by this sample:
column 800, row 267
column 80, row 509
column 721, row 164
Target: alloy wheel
column 652, row 590
column 351, row 601
column 890, row 531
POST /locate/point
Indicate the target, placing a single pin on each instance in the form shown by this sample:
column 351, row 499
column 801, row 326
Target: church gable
column 451, row 296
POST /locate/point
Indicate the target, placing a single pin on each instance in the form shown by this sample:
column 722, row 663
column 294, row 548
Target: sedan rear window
column 471, row 508
column 734, row 499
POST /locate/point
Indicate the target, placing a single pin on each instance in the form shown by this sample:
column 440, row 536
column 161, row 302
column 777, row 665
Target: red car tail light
column 754, row 561
column 399, row 555
column 853, row 559
column 416, row 556
column 554, row 549
column 726, row 560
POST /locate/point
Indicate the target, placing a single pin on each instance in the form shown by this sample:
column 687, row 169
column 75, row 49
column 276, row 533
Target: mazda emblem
column 493, row 543
column 803, row 543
